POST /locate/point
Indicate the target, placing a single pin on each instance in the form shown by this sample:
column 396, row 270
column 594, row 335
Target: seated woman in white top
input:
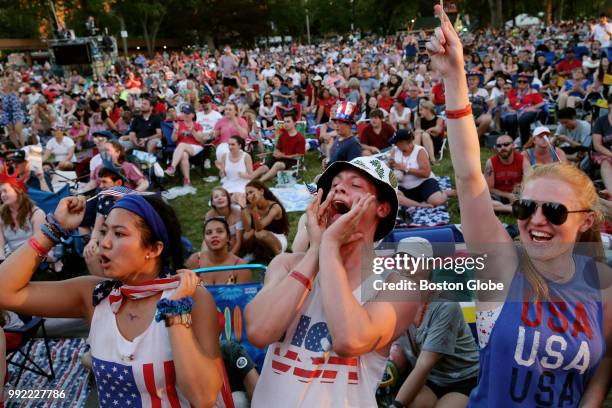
column 415, row 178
column 62, row 148
column 235, row 167
column 19, row 217
column 400, row 115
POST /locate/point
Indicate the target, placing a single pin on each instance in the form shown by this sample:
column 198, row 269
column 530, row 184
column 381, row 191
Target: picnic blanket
column 294, row 198
column 178, row 191
column 430, row 217
column 70, row 375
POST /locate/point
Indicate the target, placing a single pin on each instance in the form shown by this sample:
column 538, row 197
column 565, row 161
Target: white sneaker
column 207, row 164
column 210, row 179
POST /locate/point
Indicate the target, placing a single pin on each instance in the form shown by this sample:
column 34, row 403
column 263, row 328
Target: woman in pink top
column 230, row 125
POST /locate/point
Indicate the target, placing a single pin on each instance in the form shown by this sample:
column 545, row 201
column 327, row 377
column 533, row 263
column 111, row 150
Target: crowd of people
column 382, row 112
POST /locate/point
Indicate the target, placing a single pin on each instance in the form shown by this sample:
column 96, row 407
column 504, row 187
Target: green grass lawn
column 192, row 208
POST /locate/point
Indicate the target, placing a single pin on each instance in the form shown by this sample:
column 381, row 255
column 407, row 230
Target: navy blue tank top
column 543, row 354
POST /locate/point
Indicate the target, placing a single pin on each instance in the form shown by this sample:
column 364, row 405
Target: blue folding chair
column 169, row 145
column 48, row 201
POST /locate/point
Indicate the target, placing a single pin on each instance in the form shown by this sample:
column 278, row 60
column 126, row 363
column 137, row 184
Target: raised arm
column 195, row 350
column 269, row 314
column 477, row 217
column 356, row 329
column 69, row 298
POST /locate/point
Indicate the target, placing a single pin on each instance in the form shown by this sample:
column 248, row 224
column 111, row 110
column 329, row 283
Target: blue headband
column 136, row 204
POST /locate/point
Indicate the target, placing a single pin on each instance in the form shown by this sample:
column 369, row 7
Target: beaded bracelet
column 56, row 227
column 49, row 233
column 167, row 308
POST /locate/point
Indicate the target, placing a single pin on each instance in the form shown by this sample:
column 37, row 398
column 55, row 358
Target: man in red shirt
column 504, row 172
column 526, row 106
column 376, row 135
column 290, row 146
column 566, row 66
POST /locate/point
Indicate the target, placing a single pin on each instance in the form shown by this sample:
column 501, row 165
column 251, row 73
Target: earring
column 147, row 257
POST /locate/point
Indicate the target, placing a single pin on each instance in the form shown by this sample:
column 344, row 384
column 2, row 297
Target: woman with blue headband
column 153, row 333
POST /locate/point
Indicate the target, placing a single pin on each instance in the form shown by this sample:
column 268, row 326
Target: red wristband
column 37, row 247
column 459, row 113
column 302, row 279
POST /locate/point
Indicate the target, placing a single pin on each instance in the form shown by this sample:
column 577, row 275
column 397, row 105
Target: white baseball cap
column 539, row 130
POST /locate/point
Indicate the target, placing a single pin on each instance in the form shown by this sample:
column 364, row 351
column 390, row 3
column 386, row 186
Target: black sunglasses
column 500, row 145
column 522, row 82
column 555, row 213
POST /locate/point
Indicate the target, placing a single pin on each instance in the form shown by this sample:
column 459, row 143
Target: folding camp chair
column 230, row 301
column 48, row 201
column 23, row 339
column 169, row 146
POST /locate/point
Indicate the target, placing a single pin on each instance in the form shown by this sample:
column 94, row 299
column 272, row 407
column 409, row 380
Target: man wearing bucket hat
column 345, row 147
column 328, row 342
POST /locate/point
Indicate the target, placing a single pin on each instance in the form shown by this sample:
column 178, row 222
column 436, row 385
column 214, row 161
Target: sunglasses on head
column 500, row 145
column 555, row 213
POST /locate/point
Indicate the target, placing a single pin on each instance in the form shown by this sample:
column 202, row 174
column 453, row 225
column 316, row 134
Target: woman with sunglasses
column 546, row 338
column 525, row 107
column 143, row 317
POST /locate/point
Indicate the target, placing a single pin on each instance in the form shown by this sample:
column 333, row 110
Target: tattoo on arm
column 488, row 169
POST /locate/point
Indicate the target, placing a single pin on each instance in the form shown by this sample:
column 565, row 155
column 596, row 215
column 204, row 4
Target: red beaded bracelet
column 37, row 247
column 459, row 113
column 302, row 279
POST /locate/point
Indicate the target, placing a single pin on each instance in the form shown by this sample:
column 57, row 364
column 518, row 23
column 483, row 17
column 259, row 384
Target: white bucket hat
column 380, row 174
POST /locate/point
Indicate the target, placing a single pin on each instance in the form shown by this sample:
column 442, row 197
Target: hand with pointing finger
column 444, row 47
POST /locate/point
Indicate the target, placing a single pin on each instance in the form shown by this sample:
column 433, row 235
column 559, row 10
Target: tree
column 497, row 17
column 150, row 14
